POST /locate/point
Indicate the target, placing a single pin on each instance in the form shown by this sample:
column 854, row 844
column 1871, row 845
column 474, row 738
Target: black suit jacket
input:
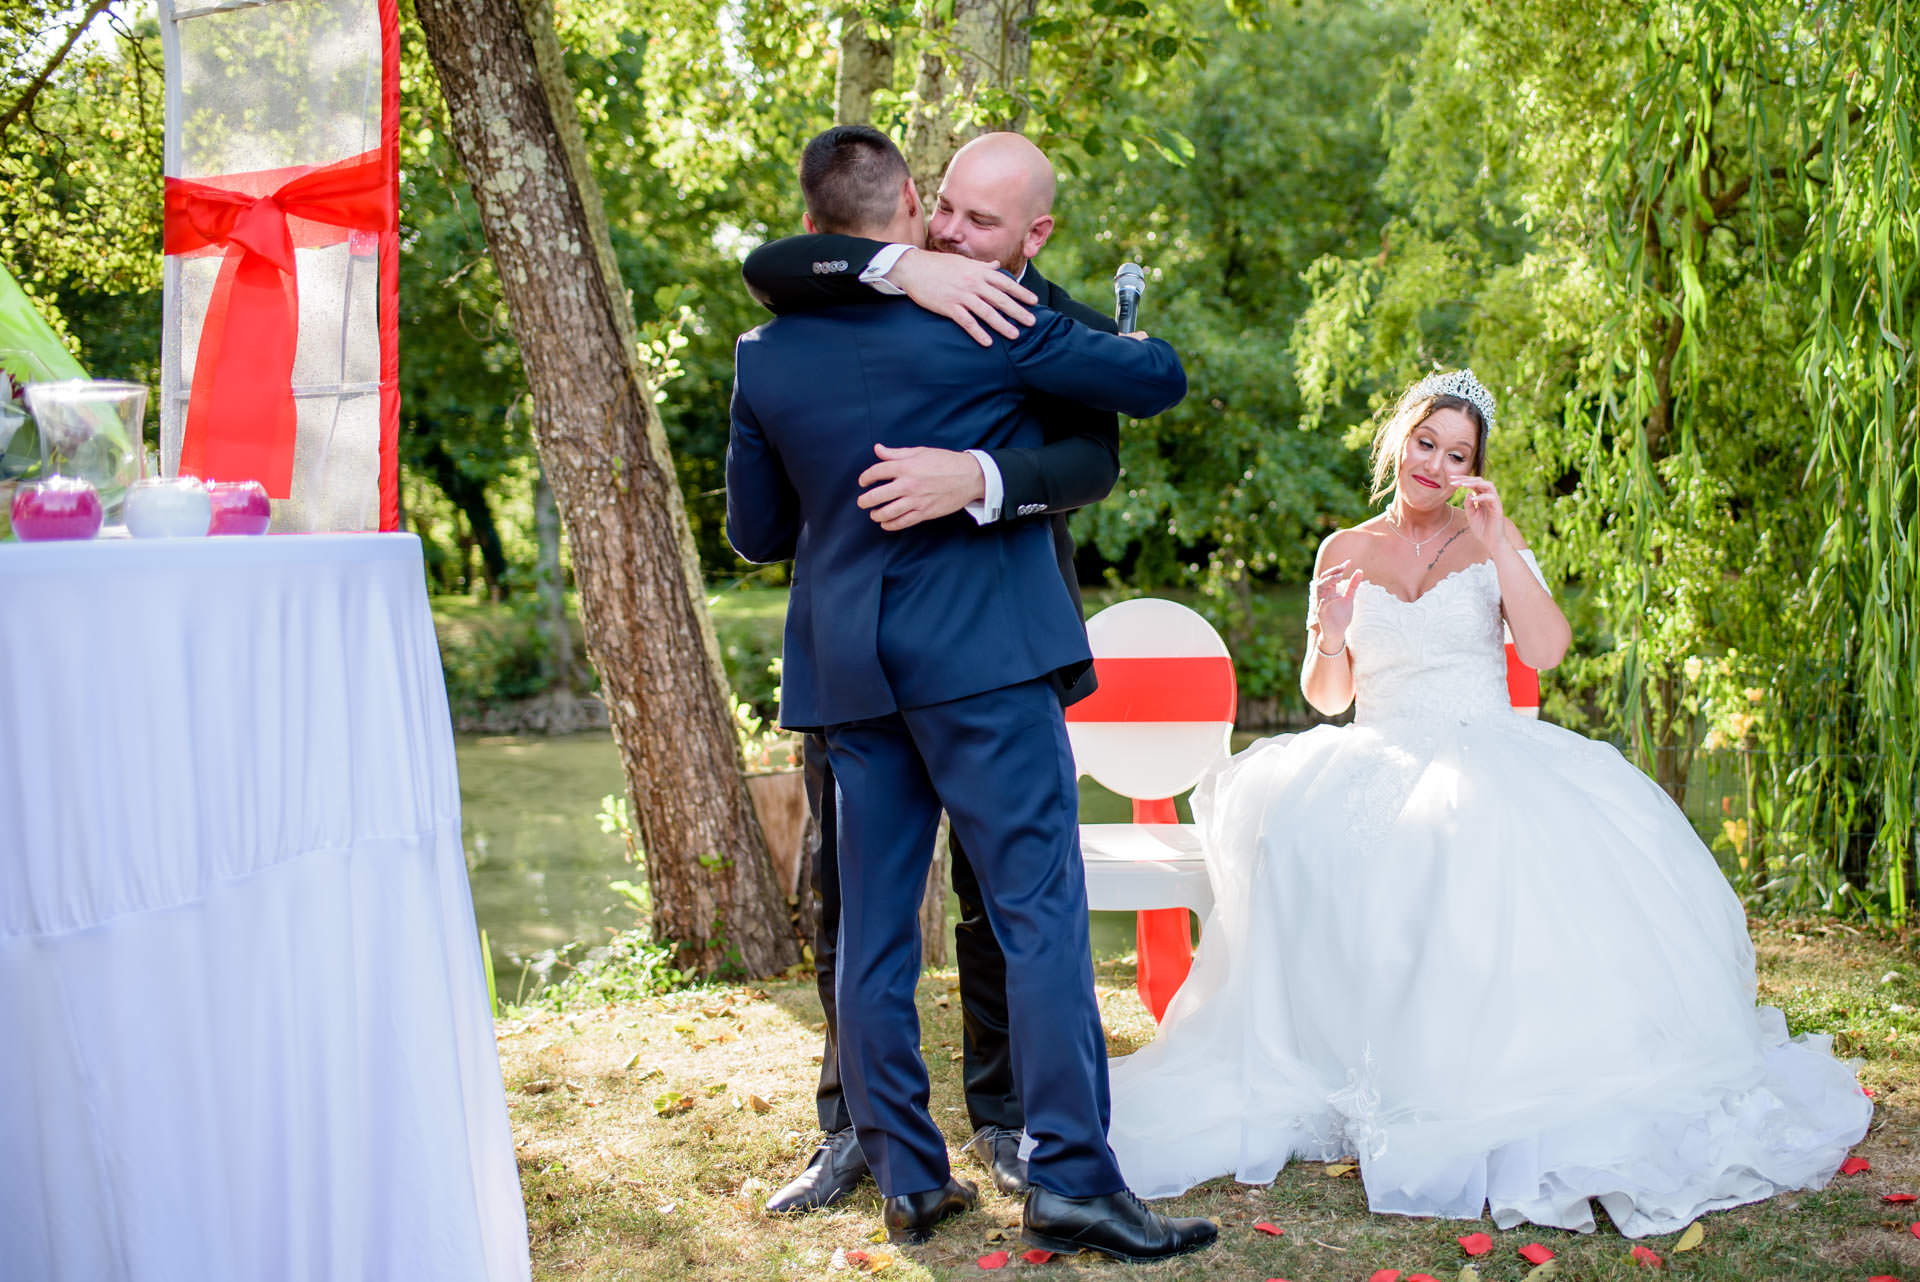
column 1078, row 459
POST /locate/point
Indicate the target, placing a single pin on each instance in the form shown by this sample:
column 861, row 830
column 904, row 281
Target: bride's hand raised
column 1485, row 517
column 1333, row 604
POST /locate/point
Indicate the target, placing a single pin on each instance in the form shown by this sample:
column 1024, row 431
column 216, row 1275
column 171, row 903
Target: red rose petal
column 1914, row 1229
column 1271, row 1230
column 1475, row 1243
column 1641, row 1255
column 995, row 1260
column 1421, row 1277
column 1897, row 1197
column 1036, row 1256
column 1534, row 1253
column 1385, row 1275
column 1866, row 1092
column 856, row 1257
column 1883, row 1277
column 1855, row 1165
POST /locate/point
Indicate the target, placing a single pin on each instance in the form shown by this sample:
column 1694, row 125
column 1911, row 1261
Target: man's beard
column 1014, row 265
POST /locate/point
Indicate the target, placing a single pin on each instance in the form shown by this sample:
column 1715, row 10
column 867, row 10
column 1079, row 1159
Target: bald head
column 995, row 202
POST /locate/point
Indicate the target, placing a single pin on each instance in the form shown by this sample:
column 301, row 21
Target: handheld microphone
column 1128, row 282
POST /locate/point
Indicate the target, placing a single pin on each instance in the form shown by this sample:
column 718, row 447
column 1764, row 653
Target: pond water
column 540, row 866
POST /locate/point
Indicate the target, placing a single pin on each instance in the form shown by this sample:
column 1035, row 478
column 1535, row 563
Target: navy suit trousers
column 998, row 762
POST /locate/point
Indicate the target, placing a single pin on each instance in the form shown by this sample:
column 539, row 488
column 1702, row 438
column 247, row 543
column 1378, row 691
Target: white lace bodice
column 1438, row 659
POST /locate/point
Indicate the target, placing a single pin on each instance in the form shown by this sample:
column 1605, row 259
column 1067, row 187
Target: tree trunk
column 556, row 631
column 470, row 496
column 865, row 67
column 983, row 44
column 510, row 108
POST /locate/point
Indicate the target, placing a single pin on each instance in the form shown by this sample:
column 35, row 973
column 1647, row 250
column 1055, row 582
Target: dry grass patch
column 650, row 1132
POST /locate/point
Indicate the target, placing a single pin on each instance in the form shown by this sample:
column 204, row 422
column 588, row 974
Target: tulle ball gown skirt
column 1490, row 960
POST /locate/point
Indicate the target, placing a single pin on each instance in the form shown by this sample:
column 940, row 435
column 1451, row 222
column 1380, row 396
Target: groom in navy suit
column 932, row 658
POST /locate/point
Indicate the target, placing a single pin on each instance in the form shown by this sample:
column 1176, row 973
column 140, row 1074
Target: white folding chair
column 1162, row 715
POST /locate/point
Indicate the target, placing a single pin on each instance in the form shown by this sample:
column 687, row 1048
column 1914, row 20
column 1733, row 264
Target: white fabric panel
column 274, row 85
column 248, row 1033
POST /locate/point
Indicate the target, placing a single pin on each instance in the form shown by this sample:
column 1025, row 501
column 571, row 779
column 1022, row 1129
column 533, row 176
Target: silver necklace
column 1418, row 544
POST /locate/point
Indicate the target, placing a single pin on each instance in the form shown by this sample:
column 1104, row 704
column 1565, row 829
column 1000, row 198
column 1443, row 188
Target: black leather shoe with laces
column 1115, row 1224
column 910, row 1217
column 835, row 1170
column 998, row 1149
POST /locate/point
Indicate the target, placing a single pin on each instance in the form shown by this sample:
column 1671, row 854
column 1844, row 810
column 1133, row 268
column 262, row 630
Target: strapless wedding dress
column 1481, row 954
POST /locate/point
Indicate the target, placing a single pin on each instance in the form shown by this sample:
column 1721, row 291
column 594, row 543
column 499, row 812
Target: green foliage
column 628, row 966
column 1643, row 289
column 1227, row 490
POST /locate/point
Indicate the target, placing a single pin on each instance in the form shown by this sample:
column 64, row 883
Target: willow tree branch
column 24, row 103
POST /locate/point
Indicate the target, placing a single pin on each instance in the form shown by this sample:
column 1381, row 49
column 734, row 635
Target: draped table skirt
column 244, row 1030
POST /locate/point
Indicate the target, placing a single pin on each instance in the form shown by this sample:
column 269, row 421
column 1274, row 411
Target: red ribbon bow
column 240, row 417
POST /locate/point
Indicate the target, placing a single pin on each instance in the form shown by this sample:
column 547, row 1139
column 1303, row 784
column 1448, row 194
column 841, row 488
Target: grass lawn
column 649, row 1133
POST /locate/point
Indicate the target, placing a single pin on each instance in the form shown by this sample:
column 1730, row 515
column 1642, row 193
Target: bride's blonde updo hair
column 1454, row 390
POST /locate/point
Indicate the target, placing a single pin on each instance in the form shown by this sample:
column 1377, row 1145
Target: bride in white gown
column 1482, row 954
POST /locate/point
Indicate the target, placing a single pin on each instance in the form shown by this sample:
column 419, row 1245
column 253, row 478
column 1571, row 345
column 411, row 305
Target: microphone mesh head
column 1129, row 275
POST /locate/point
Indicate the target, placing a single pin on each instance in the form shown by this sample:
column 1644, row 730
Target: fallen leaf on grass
column 993, row 1260
column 1896, row 1198
column 1475, row 1243
column 1339, row 1169
column 1692, row 1237
column 758, row 1105
column 1468, row 1274
column 1854, row 1165
column 1641, row 1255
column 877, row 1236
column 671, row 1103
column 715, row 1088
column 1534, row 1253
column 1271, row 1230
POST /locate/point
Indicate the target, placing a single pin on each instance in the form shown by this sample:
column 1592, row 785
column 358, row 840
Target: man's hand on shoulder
column 908, row 486
column 964, row 291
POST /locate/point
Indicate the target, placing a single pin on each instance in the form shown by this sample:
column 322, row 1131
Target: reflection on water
column 539, row 864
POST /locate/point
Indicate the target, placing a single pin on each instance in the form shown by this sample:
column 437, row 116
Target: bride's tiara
column 1461, row 383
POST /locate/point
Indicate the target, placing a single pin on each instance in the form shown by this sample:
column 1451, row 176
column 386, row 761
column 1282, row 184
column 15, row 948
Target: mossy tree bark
column 604, row 452
column 973, row 46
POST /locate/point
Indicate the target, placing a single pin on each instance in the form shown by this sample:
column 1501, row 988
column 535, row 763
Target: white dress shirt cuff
column 987, row 510
column 875, row 272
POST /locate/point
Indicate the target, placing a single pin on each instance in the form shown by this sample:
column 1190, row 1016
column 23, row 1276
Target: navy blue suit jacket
column 880, row 621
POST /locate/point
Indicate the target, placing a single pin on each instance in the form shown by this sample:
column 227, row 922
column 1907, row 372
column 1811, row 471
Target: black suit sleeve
column 1080, row 458
column 804, row 272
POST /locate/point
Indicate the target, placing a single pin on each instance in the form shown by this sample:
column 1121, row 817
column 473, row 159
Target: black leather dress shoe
column 835, row 1170
column 1116, row 1224
column 911, row 1216
column 998, row 1149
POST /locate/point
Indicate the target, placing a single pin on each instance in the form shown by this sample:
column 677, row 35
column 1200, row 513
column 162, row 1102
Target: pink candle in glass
column 60, row 507
column 239, row 507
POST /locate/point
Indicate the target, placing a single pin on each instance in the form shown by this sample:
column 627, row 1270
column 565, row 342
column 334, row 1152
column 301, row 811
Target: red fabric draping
column 390, row 270
column 240, row 416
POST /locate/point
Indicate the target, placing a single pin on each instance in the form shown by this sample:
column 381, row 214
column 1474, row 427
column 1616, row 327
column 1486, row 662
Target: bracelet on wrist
column 1329, row 654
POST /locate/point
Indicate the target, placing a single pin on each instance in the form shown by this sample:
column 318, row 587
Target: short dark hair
column 850, row 176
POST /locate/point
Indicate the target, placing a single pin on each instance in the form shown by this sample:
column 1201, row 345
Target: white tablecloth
column 243, row 1023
